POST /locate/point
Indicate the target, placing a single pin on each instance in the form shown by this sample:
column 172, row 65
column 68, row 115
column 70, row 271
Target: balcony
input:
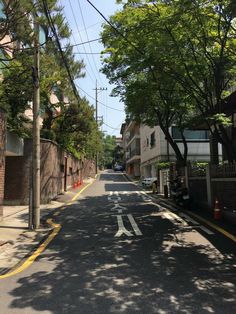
column 133, row 155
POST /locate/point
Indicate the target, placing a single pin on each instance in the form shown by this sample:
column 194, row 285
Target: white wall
column 196, row 150
column 147, row 152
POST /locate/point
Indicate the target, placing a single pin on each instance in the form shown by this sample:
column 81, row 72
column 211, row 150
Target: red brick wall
column 18, row 173
column 2, row 158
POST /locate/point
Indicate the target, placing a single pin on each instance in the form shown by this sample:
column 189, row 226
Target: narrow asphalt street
column 120, row 252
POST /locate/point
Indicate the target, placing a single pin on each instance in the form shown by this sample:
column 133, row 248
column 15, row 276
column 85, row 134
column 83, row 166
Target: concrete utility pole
column 36, row 133
column 96, row 100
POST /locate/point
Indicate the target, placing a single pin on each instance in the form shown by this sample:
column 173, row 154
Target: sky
column 86, row 24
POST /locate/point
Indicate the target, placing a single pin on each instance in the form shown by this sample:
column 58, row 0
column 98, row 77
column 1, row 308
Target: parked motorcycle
column 179, row 193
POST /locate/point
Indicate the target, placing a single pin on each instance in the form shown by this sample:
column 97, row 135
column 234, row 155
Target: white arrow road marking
column 134, row 225
column 119, row 208
column 122, row 228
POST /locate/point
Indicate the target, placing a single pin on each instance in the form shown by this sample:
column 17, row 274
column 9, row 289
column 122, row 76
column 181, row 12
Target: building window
column 147, row 142
column 152, row 140
column 190, row 135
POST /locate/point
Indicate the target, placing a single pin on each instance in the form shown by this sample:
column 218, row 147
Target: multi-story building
column 130, row 131
column 155, row 148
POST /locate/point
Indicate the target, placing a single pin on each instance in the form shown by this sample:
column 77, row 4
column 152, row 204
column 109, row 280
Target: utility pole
column 96, row 100
column 36, row 133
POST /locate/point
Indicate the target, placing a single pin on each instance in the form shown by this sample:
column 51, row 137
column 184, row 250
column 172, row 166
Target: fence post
column 208, row 184
column 186, row 177
column 2, row 158
column 161, row 181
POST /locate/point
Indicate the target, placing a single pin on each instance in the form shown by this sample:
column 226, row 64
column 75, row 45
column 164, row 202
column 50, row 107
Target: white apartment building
column 155, row 148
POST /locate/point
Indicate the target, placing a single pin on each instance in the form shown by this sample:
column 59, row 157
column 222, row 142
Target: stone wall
column 2, row 158
column 59, row 171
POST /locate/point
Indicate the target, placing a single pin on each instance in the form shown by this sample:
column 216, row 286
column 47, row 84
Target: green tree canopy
column 173, row 60
column 69, row 120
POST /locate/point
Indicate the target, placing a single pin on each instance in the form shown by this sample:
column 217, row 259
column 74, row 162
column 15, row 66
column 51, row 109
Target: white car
column 148, row 182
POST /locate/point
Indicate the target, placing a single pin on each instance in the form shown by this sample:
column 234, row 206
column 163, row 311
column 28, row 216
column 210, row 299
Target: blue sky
column 85, row 24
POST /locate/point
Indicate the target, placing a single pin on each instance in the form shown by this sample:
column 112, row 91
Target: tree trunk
column 181, row 160
column 227, row 144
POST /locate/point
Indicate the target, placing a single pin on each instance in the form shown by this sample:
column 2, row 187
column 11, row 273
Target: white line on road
column 146, row 199
column 174, row 218
column 114, row 198
column 134, row 225
column 205, row 230
column 196, row 224
column 122, row 228
column 189, row 219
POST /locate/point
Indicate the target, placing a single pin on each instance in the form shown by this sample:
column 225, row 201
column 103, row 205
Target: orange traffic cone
column 217, row 210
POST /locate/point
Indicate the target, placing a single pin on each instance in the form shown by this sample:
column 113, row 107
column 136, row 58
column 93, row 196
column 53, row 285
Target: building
column 155, row 148
column 130, row 132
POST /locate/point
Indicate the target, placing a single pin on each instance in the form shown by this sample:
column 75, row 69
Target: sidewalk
column 16, row 240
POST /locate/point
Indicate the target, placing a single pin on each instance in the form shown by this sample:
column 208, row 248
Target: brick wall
column 59, row 171
column 2, row 158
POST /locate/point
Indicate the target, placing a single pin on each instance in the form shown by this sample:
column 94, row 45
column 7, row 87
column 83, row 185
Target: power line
column 88, row 40
column 111, row 127
column 115, row 29
column 83, row 43
column 76, row 24
column 51, row 24
column 76, row 45
column 98, row 100
column 89, row 53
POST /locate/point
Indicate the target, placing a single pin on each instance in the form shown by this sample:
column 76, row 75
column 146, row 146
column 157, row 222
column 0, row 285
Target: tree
column 182, row 48
column 70, row 120
column 76, row 129
column 151, row 96
column 108, row 150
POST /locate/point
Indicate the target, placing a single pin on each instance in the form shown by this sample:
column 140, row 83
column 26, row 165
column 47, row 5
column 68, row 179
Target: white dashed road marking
column 205, row 230
column 189, row 219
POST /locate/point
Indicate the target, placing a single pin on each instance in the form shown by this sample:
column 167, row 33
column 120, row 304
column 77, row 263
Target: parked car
column 148, row 182
column 118, row 168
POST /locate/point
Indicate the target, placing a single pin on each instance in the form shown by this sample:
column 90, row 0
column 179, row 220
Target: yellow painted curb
column 42, row 247
column 212, row 225
column 38, row 251
column 78, row 194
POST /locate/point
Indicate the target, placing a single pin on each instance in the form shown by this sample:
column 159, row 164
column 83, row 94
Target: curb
column 41, row 246
column 167, row 202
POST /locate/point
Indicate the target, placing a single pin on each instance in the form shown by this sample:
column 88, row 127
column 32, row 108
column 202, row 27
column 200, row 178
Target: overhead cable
column 51, row 24
column 81, row 13
column 98, row 100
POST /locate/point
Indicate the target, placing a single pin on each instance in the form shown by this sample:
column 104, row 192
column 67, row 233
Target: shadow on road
column 87, row 270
